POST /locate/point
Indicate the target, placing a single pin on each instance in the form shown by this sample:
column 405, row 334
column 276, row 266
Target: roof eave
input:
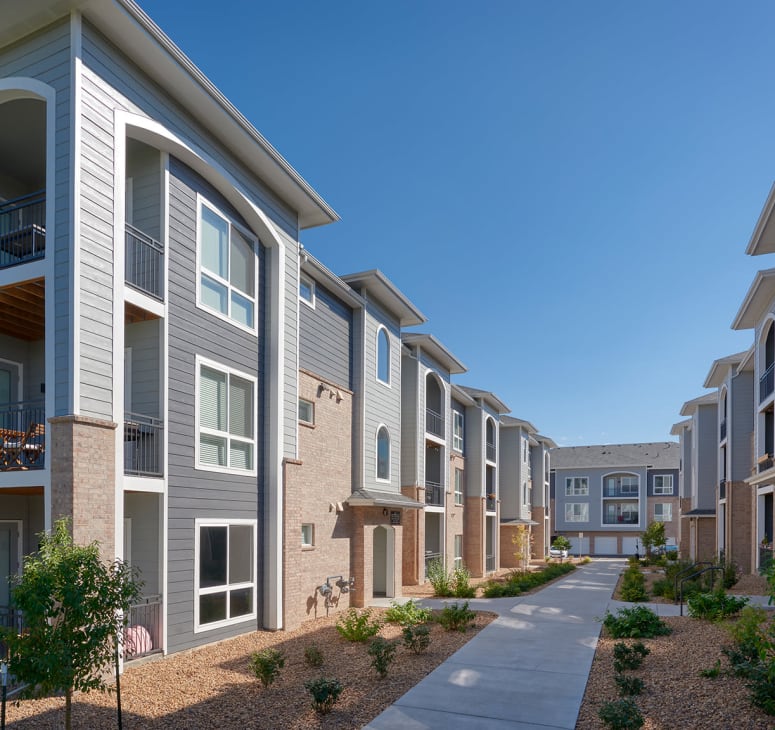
column 759, row 244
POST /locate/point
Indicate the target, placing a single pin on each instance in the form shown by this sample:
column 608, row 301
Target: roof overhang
column 512, row 422
column 757, row 300
column 488, row 398
column 704, row 400
column 320, row 273
column 374, row 498
column 763, row 237
column 719, row 369
column 458, row 393
column 375, row 285
column 518, row 522
column 126, row 25
column 546, row 441
column 700, row 513
column 434, row 348
column 680, row 427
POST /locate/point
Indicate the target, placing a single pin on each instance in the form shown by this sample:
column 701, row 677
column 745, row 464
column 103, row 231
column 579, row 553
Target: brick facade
column 540, row 532
column 414, row 538
column 474, row 535
column 454, row 513
column 365, row 521
column 739, row 528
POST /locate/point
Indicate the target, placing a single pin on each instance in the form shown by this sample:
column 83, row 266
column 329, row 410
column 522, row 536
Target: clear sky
column 565, row 189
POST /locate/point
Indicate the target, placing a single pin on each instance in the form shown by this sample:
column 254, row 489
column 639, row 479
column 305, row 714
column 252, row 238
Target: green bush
column 325, row 692
column 460, row 583
column 313, row 656
column 628, row 685
column 731, row 574
column 715, row 606
column 266, row 665
column 358, row 625
column 762, row 686
column 621, row 715
column 408, row 614
column 633, row 585
column 561, row 543
column 664, row 588
column 439, row 578
column 628, row 656
column 455, row 617
column 417, row 638
column 638, row 622
column 382, row 653
column 519, row 582
column 713, row 672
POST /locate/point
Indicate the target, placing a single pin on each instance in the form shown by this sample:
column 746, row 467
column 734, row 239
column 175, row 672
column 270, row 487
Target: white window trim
column 460, row 438
column 200, row 201
column 573, row 517
column 380, row 479
column 301, row 420
column 312, row 530
column 572, row 492
column 454, row 486
column 309, row 302
column 660, row 491
column 387, row 383
column 204, row 362
column 661, row 518
column 214, row 522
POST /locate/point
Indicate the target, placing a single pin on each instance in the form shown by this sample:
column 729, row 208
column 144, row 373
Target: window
column 225, row 583
column 629, row 485
column 227, row 268
column 577, row 512
column 458, row 551
column 527, row 491
column 576, row 486
column 307, row 290
column 663, row 512
column 458, row 486
column 383, row 356
column 307, row 535
column 306, row 411
column 457, row 430
column 383, row 454
column 663, row 484
column 226, row 415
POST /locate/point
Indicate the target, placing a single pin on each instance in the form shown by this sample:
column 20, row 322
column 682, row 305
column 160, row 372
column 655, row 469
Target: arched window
column 490, row 439
column 434, row 406
column 383, row 453
column 383, row 355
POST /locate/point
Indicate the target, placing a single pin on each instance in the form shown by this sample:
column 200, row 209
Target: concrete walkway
column 527, row 669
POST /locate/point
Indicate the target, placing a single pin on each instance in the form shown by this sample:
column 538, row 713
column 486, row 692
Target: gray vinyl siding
column 144, row 338
column 473, row 443
column 290, row 336
column 687, row 486
column 707, row 456
column 30, row 355
column 46, row 56
column 411, row 439
column 326, row 337
column 30, row 510
column 509, row 472
column 144, row 511
column 194, row 493
column 740, row 425
column 382, row 402
column 143, row 166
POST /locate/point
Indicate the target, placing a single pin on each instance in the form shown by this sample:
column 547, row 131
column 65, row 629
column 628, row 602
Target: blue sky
column 564, row 189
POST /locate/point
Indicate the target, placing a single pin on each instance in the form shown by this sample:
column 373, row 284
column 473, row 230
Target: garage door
column 605, row 546
column 630, row 545
column 574, row 546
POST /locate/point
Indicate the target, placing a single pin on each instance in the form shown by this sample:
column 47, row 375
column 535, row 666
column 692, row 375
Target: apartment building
column 605, row 496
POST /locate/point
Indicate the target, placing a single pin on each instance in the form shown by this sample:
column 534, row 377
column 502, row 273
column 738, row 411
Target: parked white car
column 557, row 553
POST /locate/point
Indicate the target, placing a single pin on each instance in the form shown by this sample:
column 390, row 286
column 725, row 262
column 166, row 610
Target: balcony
column 142, row 635
column 765, row 462
column 143, row 438
column 625, row 513
column 22, row 436
column 22, row 229
column 434, row 494
column 490, row 452
column 722, row 489
column 620, row 491
column 767, row 383
column 434, row 423
column 144, row 263
column 723, row 430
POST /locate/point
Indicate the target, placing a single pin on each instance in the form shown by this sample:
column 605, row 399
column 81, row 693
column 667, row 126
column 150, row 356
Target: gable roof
column 514, row 422
column 756, row 301
column 436, row 350
column 656, row 455
column 681, row 426
column 703, row 400
column 373, row 284
column 763, row 236
column 487, row 397
column 719, row 368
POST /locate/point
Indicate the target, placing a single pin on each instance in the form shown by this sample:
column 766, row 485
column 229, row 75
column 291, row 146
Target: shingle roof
column 659, row 455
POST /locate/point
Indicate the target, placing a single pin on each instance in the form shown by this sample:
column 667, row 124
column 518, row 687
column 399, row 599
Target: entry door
column 10, row 556
column 9, row 392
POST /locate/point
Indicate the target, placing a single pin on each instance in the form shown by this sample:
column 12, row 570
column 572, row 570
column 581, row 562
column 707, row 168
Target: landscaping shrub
column 382, row 653
column 621, row 715
column 325, row 692
column 357, row 625
column 629, row 656
column 439, row 578
column 713, row 672
column 455, row 617
column 628, row 685
column 633, row 585
column 460, row 583
column 715, row 606
column 638, row 622
column 408, row 614
column 417, row 638
column 762, row 686
column 313, row 656
column 519, row 582
column 731, row 574
column 664, row 588
column 266, row 665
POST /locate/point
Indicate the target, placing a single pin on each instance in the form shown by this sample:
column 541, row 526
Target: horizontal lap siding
column 290, row 364
column 411, row 440
column 740, row 425
column 192, row 332
column 46, row 56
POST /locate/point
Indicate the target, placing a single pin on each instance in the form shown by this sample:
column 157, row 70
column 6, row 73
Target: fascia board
column 759, row 295
column 760, row 241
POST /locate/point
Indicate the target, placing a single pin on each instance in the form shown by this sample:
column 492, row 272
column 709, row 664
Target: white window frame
column 576, row 486
column 377, row 358
column 663, row 489
column 458, row 429
column 311, row 542
column 304, row 279
column 458, row 487
column 583, row 512
column 385, row 480
column 629, row 490
column 458, row 559
column 311, row 421
column 203, row 202
column 662, row 506
column 214, row 522
column 198, row 429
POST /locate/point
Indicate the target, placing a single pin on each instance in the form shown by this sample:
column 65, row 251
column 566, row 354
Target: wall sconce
column 384, row 512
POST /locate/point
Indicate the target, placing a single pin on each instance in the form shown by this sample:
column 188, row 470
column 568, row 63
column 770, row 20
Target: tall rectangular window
column 576, row 486
column 663, row 484
column 457, row 430
column 458, row 486
column 224, row 574
column 458, row 551
column 227, row 268
column 663, row 512
column 226, row 419
column 577, row 512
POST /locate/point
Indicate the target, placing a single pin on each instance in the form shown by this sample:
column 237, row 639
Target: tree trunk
column 68, row 709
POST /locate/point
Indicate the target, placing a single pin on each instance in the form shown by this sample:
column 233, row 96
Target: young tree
column 653, row 537
column 72, row 603
column 522, row 540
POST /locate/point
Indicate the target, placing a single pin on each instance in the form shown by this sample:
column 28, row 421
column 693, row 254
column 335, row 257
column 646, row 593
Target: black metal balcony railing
column 764, row 463
column 434, row 423
column 723, row 430
column 23, row 229
column 722, row 489
column 490, row 563
column 767, row 383
column 144, row 263
column 627, row 518
column 490, row 452
column 620, row 491
column 10, row 618
column 143, row 439
column 22, row 436
column 434, row 494
column 142, row 635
